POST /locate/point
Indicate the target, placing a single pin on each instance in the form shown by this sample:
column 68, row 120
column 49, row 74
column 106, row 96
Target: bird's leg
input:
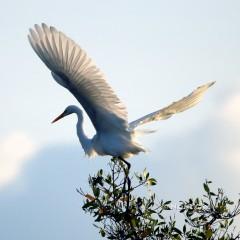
column 126, row 162
column 126, row 171
column 126, row 179
column 128, row 193
column 126, row 175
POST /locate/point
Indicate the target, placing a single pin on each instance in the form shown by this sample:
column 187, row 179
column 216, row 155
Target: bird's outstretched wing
column 74, row 70
column 181, row 105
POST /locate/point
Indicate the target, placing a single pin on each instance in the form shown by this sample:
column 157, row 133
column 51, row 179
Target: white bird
column 73, row 69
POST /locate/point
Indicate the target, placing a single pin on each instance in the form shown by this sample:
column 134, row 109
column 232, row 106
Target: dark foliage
column 122, row 210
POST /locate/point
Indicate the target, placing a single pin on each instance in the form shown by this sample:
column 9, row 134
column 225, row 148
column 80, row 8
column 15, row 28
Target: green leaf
column 133, row 222
column 208, row 233
column 151, row 181
column 96, row 192
column 145, row 174
column 206, row 188
column 177, row 231
column 102, row 232
column 184, row 228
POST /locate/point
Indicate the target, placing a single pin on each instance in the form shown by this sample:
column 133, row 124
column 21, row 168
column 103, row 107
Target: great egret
column 73, row 69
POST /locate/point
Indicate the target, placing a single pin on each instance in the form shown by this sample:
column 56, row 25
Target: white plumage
column 74, row 70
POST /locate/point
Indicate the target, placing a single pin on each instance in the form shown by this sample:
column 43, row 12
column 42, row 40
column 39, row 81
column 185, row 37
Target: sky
column 153, row 53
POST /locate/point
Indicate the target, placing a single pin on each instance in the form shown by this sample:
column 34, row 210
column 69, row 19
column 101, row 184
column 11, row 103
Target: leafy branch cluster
column 122, row 211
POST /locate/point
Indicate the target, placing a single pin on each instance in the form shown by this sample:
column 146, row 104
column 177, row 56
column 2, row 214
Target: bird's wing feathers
column 181, row 105
column 74, row 70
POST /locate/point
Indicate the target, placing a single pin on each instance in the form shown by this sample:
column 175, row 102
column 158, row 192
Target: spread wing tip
column 208, row 85
column 212, row 83
column 176, row 107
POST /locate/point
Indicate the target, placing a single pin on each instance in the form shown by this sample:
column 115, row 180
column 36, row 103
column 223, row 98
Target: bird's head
column 69, row 110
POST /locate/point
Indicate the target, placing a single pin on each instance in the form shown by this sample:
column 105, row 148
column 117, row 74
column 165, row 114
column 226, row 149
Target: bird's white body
column 115, row 144
column 74, row 70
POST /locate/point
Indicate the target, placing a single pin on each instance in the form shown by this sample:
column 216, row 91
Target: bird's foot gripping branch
column 122, row 210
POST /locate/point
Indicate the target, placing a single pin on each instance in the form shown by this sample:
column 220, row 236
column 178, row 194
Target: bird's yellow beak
column 59, row 117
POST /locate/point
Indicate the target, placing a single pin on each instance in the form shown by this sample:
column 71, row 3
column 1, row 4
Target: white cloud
column 231, row 111
column 234, row 159
column 229, row 142
column 15, row 150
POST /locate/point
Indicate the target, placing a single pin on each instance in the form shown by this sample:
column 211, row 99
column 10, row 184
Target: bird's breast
column 115, row 144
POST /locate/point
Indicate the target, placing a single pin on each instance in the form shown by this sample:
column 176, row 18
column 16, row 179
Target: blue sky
column 152, row 53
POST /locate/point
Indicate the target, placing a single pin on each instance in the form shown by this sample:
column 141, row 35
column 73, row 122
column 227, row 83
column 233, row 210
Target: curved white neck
column 84, row 140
